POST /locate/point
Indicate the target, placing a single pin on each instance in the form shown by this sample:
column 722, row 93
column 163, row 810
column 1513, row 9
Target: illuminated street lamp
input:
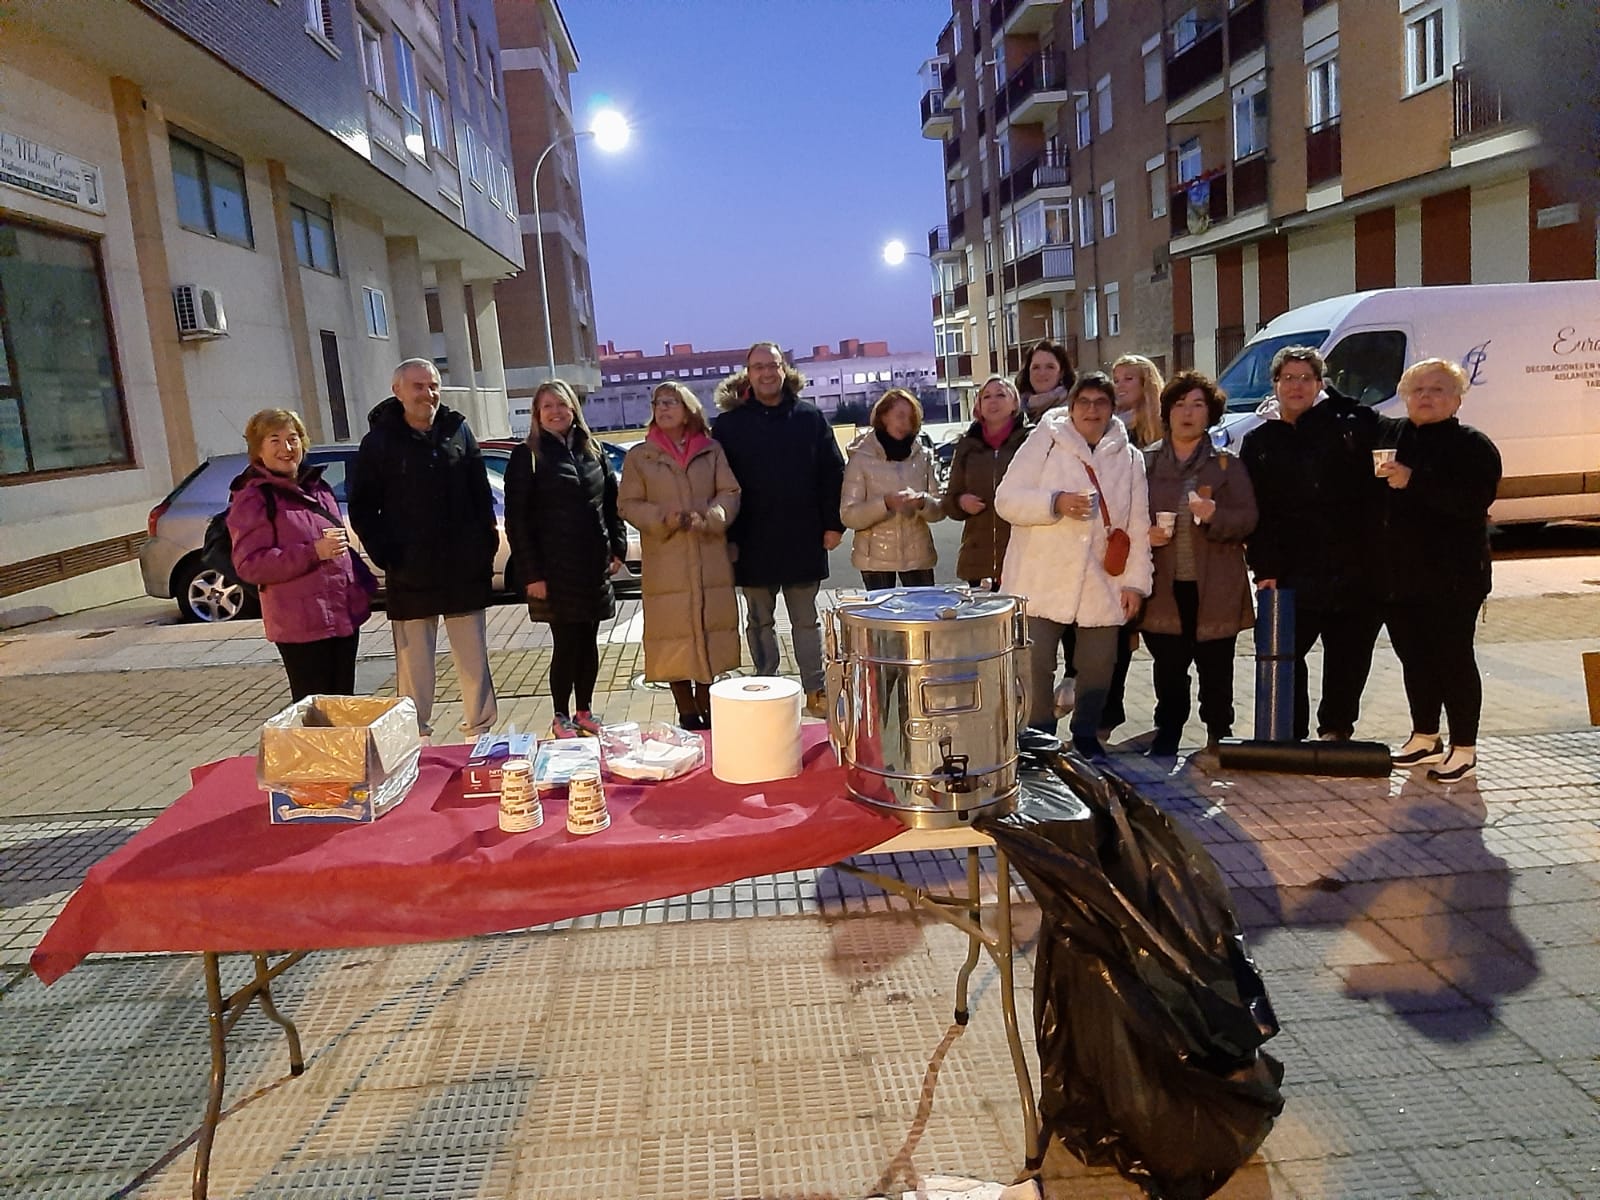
column 895, row 252
column 609, row 129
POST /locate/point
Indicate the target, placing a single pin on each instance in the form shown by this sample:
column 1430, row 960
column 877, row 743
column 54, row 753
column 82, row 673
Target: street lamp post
column 896, row 252
column 610, row 132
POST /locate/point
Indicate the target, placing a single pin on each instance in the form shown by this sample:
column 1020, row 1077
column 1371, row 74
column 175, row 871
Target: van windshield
column 1248, row 379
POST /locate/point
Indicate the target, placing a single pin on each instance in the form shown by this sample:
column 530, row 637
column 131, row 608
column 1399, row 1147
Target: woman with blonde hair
column 567, row 541
column 976, row 469
column 1138, row 385
column 679, row 492
column 891, row 495
column 289, row 540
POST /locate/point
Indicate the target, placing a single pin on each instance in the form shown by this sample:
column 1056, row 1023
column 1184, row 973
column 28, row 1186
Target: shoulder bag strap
column 1104, row 518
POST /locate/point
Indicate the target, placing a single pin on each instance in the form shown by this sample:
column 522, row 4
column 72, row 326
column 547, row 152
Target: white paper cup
column 1380, row 458
column 1167, row 522
column 1092, row 498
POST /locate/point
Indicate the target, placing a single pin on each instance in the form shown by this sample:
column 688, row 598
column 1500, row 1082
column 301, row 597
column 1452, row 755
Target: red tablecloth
column 211, row 873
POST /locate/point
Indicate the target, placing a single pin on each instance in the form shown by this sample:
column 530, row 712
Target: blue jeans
column 800, row 602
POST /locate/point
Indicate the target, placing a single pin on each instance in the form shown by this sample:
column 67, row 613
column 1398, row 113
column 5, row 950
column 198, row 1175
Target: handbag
column 1118, row 543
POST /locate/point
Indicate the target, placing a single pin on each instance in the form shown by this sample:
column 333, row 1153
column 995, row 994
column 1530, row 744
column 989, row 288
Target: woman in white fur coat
column 1076, row 465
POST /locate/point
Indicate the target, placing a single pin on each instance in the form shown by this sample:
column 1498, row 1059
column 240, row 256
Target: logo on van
column 1472, row 362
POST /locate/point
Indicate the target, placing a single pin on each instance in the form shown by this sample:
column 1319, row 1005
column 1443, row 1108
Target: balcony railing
column 952, row 151
column 1195, row 64
column 933, row 112
column 958, row 298
column 1209, row 197
column 1249, row 183
column 1323, row 153
column 1479, row 104
column 961, row 362
column 1049, row 168
column 958, row 227
column 1247, row 29
column 1040, row 73
column 939, row 240
column 1043, row 265
column 947, row 76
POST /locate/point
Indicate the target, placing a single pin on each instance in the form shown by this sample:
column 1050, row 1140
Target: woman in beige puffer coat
column 891, row 495
column 679, row 492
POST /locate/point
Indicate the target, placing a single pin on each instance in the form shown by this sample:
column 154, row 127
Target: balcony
column 1195, row 65
column 939, row 241
column 952, row 157
column 1019, row 17
column 1247, row 29
column 1322, row 153
column 962, row 363
column 947, row 77
column 1479, row 105
column 1043, row 270
column 1034, row 91
column 936, row 122
column 958, row 298
column 958, row 228
column 1249, row 184
column 1048, row 169
column 1199, row 204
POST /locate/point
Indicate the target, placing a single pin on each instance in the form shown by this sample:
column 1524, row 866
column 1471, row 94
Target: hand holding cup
column 332, row 543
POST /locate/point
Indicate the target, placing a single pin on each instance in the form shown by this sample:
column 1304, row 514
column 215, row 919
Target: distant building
column 207, row 209
column 857, row 371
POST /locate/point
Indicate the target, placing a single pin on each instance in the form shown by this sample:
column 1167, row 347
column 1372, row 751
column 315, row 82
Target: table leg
column 1004, row 953
column 263, row 988
column 974, row 941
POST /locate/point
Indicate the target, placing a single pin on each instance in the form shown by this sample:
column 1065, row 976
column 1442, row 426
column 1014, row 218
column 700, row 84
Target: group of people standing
column 1101, row 499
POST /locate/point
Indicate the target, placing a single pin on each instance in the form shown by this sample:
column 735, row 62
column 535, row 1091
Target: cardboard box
column 481, row 778
column 338, row 759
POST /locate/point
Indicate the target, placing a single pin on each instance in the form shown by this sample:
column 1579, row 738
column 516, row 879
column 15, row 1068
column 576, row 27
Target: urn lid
column 900, row 606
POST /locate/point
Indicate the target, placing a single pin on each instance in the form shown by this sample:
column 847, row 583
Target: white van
column 1531, row 350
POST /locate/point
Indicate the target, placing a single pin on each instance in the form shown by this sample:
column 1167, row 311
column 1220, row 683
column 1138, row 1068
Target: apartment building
column 1164, row 177
column 627, row 377
column 206, row 210
column 538, row 59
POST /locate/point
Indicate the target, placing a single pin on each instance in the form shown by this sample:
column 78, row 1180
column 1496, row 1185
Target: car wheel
column 206, row 594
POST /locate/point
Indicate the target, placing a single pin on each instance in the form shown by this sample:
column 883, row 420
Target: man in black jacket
column 1318, row 499
column 790, row 472
column 420, row 503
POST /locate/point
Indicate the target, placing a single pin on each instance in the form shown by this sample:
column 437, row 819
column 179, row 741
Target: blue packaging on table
column 481, row 778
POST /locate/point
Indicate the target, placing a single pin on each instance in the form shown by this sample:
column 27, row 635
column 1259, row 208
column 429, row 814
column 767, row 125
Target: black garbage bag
column 1149, row 1012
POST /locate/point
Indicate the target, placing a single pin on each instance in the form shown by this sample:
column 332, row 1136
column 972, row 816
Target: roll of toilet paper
column 755, row 729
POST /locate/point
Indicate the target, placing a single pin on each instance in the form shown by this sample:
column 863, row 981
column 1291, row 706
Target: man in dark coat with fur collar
column 790, row 472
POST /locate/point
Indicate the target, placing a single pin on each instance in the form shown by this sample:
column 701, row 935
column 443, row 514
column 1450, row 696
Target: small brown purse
column 1118, row 543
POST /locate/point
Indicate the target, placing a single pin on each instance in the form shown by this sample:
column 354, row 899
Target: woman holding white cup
column 1205, row 508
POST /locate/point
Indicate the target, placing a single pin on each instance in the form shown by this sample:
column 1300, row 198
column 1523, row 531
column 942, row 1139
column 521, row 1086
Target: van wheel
column 206, row 594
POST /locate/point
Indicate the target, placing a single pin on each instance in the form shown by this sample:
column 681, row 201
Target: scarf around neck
column 895, row 449
column 692, row 444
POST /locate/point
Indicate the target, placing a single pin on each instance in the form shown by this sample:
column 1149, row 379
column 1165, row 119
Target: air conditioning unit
column 199, row 312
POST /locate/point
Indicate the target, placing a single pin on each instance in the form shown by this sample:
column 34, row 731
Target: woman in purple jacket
column 289, row 540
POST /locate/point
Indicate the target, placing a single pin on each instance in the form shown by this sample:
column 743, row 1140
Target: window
column 474, row 49
column 438, row 123
column 1432, row 44
column 372, row 58
column 319, row 19
column 1081, row 115
column 61, row 403
column 494, row 75
column 1152, row 69
column 1057, row 224
column 1113, row 310
column 377, row 312
column 405, row 66
column 1188, row 161
column 1185, row 31
column 1102, row 101
column 1085, row 220
column 1250, row 117
column 1079, row 34
column 474, row 163
column 1102, row 12
column 988, row 255
column 1013, row 334
column 1108, row 209
column 508, row 190
column 312, row 222
column 1322, row 93
column 1156, row 172
column 1367, row 365
column 1091, row 313
column 211, row 194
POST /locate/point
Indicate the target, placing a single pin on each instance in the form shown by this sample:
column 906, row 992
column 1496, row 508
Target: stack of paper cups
column 755, row 729
column 520, row 809
column 586, row 803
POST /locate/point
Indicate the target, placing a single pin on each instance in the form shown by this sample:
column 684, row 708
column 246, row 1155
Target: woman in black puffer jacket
column 566, row 542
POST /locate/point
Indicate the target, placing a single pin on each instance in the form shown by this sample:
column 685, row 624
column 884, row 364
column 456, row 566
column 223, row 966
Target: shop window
column 211, row 192
column 61, row 401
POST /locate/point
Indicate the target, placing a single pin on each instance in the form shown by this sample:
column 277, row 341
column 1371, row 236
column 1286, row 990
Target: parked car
column 170, row 561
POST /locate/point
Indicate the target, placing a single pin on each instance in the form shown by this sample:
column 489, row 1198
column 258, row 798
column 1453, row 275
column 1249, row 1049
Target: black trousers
column 1433, row 642
column 322, row 668
column 885, row 579
column 1213, row 662
column 692, row 699
column 574, row 664
column 1114, row 713
column 1347, row 641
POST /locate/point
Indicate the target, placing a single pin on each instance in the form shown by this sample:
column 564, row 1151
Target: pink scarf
column 692, row 444
column 996, row 440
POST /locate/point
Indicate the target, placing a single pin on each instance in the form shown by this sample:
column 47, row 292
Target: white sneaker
column 1066, row 697
column 1460, row 763
column 1420, row 748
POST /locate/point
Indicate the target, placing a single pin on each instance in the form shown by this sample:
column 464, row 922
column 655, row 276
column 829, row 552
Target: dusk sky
column 776, row 146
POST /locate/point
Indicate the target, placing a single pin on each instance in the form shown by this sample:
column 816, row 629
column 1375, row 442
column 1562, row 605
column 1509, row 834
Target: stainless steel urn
column 926, row 696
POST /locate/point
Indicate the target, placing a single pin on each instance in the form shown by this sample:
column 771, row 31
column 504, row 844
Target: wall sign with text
column 45, row 171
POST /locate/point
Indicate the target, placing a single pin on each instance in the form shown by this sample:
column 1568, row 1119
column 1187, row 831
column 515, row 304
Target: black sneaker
column 1419, row 750
column 1164, row 746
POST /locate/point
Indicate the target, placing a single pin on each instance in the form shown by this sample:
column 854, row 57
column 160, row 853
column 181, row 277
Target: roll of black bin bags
column 1275, row 665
